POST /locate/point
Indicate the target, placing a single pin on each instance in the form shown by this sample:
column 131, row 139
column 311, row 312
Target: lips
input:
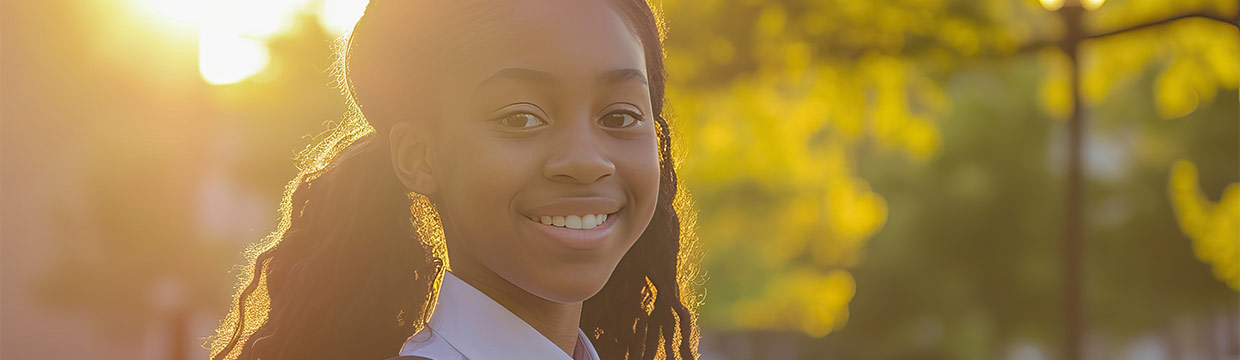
column 579, row 239
column 576, row 206
column 576, row 223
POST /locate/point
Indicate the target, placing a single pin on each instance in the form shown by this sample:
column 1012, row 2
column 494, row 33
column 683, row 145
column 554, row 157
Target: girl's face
column 544, row 114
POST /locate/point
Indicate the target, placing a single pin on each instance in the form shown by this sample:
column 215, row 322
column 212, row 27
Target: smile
column 583, row 222
column 571, row 231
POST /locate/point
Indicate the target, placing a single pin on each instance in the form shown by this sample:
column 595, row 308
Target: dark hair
column 352, row 268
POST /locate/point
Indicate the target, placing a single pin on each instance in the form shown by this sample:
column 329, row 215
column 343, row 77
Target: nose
column 578, row 156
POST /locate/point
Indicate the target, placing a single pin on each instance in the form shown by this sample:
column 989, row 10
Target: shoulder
column 426, row 344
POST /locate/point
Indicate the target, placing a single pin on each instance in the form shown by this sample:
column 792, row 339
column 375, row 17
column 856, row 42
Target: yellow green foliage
column 1214, row 227
column 794, row 129
column 777, row 101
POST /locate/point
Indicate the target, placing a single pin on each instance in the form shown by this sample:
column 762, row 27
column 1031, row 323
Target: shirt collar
column 482, row 329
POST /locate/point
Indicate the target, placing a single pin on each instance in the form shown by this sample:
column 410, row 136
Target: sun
column 232, row 34
column 225, row 58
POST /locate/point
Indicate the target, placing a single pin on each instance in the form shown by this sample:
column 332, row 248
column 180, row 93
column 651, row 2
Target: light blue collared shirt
column 469, row 325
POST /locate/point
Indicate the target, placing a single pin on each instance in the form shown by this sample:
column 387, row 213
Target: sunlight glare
column 232, row 37
column 226, row 58
column 261, row 19
column 173, row 12
column 339, row 16
column 232, row 34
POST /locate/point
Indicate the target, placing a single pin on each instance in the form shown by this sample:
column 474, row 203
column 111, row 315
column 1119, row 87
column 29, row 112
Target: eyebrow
column 521, row 74
column 617, row 76
column 542, row 77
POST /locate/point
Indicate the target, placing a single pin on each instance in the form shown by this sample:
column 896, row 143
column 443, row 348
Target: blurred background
column 901, row 179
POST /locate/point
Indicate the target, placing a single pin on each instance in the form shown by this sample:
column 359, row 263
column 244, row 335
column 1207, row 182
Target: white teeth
column 582, row 222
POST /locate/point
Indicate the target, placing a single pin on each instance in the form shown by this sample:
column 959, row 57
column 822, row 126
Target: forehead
column 564, row 37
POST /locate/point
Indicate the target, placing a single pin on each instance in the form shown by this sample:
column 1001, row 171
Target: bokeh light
column 1092, row 4
column 1051, row 5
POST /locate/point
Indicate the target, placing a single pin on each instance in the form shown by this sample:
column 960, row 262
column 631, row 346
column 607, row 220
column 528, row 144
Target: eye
column 620, row 119
column 521, row 120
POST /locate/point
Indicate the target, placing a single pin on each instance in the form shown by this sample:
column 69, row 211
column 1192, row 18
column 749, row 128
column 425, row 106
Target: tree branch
column 1215, row 17
column 1036, row 45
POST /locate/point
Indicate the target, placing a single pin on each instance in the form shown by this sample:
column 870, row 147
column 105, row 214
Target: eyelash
column 502, row 119
column 637, row 118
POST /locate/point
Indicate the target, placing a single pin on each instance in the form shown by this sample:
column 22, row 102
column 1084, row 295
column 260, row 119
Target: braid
column 348, row 278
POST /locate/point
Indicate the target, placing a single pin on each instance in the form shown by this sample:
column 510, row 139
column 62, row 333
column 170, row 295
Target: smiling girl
column 528, row 139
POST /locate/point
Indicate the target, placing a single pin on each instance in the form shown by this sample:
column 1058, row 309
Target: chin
column 574, row 286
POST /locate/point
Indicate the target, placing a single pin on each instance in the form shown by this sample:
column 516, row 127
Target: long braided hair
column 354, row 264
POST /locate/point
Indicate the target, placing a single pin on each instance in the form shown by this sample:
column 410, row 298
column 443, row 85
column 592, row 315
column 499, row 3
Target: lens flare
column 1051, row 5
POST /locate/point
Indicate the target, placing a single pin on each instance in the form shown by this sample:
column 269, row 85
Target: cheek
column 479, row 180
column 644, row 177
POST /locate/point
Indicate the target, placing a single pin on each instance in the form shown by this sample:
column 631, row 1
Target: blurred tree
column 776, row 99
column 1213, row 227
column 783, row 104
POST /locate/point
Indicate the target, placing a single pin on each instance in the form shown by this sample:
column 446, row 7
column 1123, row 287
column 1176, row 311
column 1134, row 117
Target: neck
column 557, row 322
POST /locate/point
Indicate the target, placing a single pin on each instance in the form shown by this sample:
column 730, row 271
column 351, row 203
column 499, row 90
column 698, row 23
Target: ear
column 410, row 158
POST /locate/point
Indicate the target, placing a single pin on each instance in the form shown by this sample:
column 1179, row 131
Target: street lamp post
column 1073, row 240
column 1071, row 11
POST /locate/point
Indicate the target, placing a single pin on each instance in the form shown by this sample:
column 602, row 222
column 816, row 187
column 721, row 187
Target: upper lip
column 574, row 206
